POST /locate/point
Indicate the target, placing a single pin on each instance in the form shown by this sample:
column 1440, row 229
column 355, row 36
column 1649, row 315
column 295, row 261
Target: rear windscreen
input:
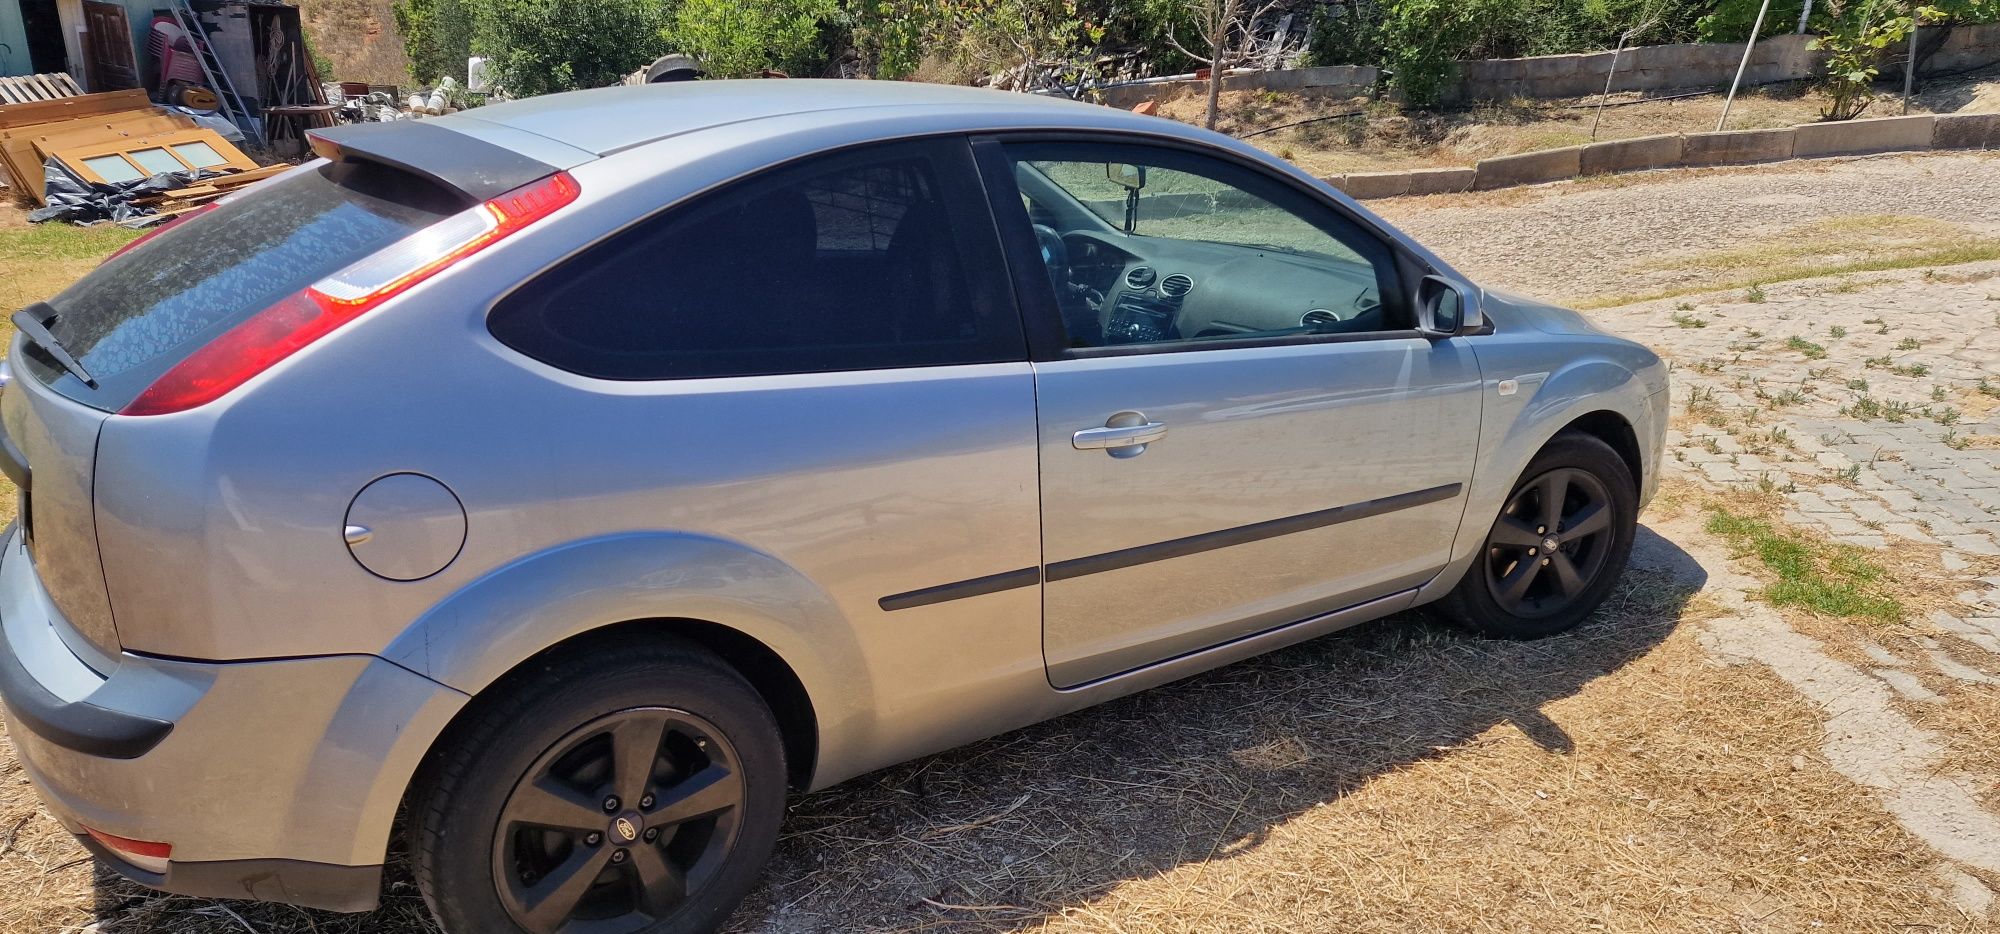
column 142, row 312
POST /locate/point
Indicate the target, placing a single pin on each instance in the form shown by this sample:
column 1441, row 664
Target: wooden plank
column 23, row 166
column 68, row 108
column 47, row 87
column 67, row 82
column 223, row 184
column 132, row 124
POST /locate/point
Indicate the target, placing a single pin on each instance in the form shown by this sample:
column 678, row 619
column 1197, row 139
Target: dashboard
column 1118, row 288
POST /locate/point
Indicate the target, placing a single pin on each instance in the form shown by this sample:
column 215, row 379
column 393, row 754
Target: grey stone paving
column 1870, row 402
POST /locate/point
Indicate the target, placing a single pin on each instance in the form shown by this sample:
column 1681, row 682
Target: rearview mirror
column 1447, row 307
column 1130, row 176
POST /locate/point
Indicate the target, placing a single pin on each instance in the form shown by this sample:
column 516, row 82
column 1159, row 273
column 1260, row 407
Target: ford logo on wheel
column 626, row 830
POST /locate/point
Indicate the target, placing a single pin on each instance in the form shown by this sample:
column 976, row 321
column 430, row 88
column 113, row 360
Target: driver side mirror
column 1447, row 307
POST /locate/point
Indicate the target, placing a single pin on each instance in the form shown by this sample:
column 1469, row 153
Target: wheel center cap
column 625, row 829
column 1549, row 544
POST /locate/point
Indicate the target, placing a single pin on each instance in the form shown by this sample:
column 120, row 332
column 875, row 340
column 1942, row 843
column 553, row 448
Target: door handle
column 1125, row 434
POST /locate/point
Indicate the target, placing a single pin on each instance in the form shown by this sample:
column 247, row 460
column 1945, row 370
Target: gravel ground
column 1599, row 237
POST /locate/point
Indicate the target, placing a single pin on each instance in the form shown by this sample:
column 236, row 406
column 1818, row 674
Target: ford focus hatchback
column 574, row 477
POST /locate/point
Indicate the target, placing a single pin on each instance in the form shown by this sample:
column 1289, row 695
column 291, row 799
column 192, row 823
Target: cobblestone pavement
column 1871, row 402
column 1619, row 235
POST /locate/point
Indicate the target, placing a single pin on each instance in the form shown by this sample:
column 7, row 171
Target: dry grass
column 43, row 259
column 1395, row 778
column 1383, row 138
column 1398, row 777
column 1827, row 247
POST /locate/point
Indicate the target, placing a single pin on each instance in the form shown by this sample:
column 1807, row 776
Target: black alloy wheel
column 625, row 783
column 1557, row 547
column 618, row 823
column 1550, row 544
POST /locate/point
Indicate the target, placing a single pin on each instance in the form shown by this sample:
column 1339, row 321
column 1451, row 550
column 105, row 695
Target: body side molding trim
column 1245, row 534
column 1173, row 548
column 976, row 587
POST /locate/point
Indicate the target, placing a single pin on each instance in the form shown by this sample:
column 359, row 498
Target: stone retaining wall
column 1644, row 68
column 1335, row 80
column 1729, row 147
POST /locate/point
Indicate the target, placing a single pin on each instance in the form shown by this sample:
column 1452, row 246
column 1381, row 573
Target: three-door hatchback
column 575, row 476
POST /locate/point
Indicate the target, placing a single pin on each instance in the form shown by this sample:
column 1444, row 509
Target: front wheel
column 1557, row 547
column 631, row 791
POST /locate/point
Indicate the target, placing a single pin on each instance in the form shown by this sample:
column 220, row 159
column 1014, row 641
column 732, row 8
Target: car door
column 1240, row 426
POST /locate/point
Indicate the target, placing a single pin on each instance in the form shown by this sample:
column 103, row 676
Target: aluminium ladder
column 216, row 73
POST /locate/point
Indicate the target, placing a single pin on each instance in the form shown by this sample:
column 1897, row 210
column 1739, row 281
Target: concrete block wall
column 1337, row 80
column 1688, row 150
column 1644, row 68
column 1967, row 47
column 1737, row 147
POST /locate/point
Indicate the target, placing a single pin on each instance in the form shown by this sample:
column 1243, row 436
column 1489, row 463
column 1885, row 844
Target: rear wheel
column 1557, row 547
column 636, row 793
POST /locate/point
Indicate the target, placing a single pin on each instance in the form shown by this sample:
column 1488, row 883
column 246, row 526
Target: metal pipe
column 1804, row 15
column 1594, row 121
column 1910, row 67
column 1744, row 65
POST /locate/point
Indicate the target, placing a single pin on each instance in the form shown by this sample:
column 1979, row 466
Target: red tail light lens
column 151, row 857
column 277, row 332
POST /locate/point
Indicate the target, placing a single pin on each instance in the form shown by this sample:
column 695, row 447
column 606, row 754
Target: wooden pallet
column 88, row 105
column 30, row 88
column 181, row 200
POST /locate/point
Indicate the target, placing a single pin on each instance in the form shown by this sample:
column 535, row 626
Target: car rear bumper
column 273, row 780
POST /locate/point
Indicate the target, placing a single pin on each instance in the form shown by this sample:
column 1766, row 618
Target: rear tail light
column 285, row 328
column 152, row 857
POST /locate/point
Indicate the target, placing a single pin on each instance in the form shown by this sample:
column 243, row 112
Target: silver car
column 577, row 476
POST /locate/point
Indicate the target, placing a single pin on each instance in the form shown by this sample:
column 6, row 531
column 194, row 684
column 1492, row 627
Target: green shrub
column 1345, row 32
column 543, row 46
column 1730, row 21
column 437, row 36
column 734, row 39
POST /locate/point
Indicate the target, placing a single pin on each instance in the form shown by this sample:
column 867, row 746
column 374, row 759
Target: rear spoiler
column 473, row 168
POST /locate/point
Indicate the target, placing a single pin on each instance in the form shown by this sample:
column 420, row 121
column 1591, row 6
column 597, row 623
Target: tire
column 492, row 851
column 1586, row 468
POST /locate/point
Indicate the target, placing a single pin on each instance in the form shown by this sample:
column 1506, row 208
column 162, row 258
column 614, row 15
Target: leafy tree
column 437, row 35
column 1224, row 34
column 1732, row 19
column 1422, row 42
column 543, row 46
column 1859, row 35
column 893, row 36
column 1345, row 32
column 1019, row 38
column 734, row 38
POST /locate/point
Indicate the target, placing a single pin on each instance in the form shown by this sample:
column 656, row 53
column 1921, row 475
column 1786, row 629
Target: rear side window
column 878, row 257
column 142, row 312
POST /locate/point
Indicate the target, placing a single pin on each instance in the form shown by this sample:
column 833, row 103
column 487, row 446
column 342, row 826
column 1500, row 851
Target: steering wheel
column 1055, row 255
